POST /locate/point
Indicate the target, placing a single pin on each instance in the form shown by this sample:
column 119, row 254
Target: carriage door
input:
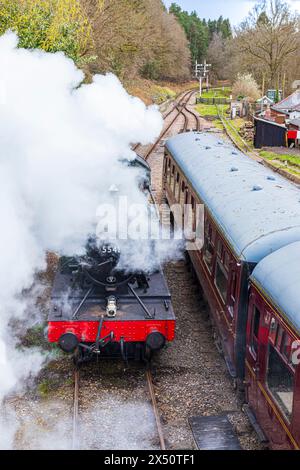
column 279, row 382
column 296, row 415
column 253, row 350
column 232, row 292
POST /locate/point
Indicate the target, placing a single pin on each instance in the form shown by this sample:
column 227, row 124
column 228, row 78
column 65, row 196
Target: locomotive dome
column 257, row 211
column 278, row 276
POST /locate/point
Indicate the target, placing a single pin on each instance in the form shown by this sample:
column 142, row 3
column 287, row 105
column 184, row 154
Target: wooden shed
column 269, row 133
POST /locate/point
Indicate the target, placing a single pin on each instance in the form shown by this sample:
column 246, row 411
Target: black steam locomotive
column 100, row 310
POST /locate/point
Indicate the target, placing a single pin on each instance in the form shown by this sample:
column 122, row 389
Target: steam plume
column 61, row 141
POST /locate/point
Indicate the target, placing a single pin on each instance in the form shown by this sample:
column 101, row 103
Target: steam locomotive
column 99, row 310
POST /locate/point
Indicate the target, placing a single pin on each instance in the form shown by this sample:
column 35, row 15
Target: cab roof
column 257, row 210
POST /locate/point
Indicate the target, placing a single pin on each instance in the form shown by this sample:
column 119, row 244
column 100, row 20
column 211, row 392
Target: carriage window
column 193, row 203
column 221, row 281
column 226, row 260
column 223, row 255
column 177, row 186
column 279, row 337
column 169, row 167
column 169, row 175
column 186, row 197
column 280, row 380
column 233, row 286
column 172, row 178
column 166, row 165
column 255, row 330
column 232, row 299
column 273, row 330
column 286, row 345
column 220, row 248
column 208, row 253
column 209, row 233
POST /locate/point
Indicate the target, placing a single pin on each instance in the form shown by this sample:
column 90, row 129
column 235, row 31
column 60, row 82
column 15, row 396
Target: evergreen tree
column 200, row 32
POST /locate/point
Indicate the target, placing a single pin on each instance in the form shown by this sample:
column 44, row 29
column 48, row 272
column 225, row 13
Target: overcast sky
column 236, row 10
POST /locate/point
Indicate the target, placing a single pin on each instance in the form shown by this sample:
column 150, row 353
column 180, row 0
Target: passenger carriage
column 273, row 347
column 249, row 213
column 249, row 269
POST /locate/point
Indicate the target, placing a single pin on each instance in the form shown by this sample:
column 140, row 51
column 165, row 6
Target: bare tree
column 218, row 55
column 269, row 37
column 120, row 35
column 133, row 37
column 171, row 50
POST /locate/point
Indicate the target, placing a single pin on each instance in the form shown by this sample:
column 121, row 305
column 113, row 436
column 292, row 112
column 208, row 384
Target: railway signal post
column 202, row 71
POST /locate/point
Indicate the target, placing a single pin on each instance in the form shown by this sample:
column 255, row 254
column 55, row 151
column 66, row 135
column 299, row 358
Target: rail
column 155, row 409
column 226, row 123
column 181, row 109
column 75, row 411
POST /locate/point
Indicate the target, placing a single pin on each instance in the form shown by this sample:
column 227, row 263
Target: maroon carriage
column 273, row 347
column 248, row 214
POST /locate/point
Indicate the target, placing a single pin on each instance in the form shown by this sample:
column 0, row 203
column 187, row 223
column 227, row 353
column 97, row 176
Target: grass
column 292, row 160
column 44, row 387
column 34, row 336
column 162, row 94
column 210, row 109
column 217, row 93
column 50, row 384
column 233, row 132
column 150, row 91
column 217, row 123
column 233, row 127
column 237, row 123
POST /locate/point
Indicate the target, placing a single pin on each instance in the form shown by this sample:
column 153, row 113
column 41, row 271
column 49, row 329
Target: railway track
column 181, row 110
column 155, row 410
column 75, row 422
column 75, row 441
column 190, row 121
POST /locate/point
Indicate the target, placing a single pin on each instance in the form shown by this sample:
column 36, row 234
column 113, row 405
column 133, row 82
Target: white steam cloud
column 60, row 145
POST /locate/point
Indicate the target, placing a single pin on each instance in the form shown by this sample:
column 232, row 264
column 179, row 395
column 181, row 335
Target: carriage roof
column 278, row 275
column 258, row 210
